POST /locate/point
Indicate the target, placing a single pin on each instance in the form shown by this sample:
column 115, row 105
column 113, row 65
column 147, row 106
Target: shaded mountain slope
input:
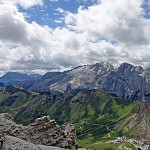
column 44, row 82
column 23, row 80
column 13, row 98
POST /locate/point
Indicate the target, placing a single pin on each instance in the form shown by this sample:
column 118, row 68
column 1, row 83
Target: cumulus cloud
column 107, row 31
column 24, row 3
column 116, row 19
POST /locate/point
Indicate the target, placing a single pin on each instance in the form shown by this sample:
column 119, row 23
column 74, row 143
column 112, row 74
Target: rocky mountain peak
column 139, row 69
column 128, row 81
column 103, row 66
column 126, row 65
column 81, row 77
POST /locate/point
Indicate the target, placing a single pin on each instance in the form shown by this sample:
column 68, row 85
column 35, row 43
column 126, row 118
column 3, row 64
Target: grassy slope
column 13, row 103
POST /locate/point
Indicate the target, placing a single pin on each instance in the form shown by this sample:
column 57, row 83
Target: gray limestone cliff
column 44, row 132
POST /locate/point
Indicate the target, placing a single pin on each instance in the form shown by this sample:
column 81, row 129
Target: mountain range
column 126, row 81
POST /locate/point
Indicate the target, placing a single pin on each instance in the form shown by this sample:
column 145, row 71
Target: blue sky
column 46, row 35
column 146, row 6
column 48, row 14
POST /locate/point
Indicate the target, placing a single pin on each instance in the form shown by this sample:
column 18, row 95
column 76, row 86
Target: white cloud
column 32, row 47
column 24, row 3
column 113, row 19
column 117, row 20
column 60, row 10
column 53, row 0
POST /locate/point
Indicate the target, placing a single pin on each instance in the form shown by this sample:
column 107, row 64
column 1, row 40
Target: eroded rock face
column 138, row 125
column 13, row 143
column 44, row 132
column 143, row 122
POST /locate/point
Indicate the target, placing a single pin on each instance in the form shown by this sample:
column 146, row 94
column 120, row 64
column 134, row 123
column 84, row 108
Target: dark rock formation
column 44, row 132
column 130, row 82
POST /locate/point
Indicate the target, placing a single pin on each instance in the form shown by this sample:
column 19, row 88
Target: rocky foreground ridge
column 40, row 135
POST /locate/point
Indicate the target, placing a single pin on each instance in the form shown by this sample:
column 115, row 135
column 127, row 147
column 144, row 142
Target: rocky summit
column 42, row 134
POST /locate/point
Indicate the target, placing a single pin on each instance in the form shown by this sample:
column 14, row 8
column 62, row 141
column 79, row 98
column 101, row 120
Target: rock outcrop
column 13, row 143
column 123, row 148
column 138, row 126
column 44, row 132
column 143, row 122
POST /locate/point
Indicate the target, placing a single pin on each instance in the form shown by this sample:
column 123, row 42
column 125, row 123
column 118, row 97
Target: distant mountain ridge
column 20, row 79
column 126, row 81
